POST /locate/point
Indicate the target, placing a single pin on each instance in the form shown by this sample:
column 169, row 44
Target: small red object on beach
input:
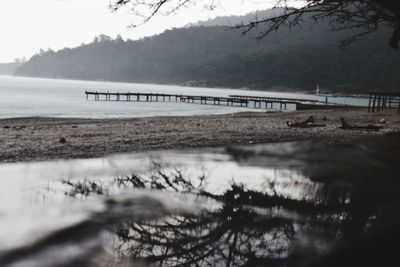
column 62, row 139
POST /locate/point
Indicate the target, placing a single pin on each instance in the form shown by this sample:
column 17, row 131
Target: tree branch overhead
column 364, row 15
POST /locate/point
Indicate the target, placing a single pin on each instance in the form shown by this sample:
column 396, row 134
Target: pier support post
column 369, row 102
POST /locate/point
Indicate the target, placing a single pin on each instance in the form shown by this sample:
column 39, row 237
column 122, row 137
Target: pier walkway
column 258, row 100
column 232, row 100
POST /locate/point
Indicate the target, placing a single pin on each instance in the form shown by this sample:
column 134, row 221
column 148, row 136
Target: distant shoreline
column 37, row 139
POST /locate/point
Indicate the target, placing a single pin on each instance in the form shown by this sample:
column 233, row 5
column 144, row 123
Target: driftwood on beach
column 308, row 123
column 347, row 125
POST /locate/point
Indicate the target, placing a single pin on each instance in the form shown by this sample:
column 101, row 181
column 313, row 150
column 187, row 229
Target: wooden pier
column 382, row 101
column 283, row 102
column 232, row 100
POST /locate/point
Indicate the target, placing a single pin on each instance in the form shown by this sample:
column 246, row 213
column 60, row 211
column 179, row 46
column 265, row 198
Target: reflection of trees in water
column 230, row 235
column 251, row 228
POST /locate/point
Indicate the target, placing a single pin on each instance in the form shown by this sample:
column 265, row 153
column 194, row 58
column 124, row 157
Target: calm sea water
column 25, row 97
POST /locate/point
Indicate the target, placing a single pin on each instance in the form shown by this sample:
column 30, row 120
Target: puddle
column 284, row 204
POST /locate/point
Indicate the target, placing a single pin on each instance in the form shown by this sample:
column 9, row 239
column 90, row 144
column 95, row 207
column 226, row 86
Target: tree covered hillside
column 292, row 59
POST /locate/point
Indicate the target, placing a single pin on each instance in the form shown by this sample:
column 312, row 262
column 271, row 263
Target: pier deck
column 232, row 100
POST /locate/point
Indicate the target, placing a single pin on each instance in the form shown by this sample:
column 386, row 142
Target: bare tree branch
column 365, row 15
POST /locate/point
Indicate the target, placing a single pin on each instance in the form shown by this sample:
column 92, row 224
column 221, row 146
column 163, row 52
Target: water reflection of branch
column 159, row 180
column 235, row 234
column 229, row 235
column 85, row 188
column 250, row 228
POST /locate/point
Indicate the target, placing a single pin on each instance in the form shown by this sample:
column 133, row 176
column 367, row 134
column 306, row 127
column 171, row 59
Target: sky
column 26, row 26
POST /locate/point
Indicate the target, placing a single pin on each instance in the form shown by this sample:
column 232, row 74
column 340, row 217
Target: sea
column 31, row 97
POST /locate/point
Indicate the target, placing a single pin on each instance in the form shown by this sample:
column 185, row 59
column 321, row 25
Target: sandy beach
column 37, row 139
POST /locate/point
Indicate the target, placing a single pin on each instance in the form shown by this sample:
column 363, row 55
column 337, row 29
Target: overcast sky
column 28, row 25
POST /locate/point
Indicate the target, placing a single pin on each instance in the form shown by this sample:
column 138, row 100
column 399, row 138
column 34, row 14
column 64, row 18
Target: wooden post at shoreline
column 232, row 100
column 381, row 101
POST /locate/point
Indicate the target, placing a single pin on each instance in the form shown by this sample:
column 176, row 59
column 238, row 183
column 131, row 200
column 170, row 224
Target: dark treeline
column 293, row 59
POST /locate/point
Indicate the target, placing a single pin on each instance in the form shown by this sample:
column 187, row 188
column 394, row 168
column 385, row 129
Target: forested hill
column 294, row 59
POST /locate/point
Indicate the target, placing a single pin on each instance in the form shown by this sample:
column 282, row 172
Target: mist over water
column 29, row 97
